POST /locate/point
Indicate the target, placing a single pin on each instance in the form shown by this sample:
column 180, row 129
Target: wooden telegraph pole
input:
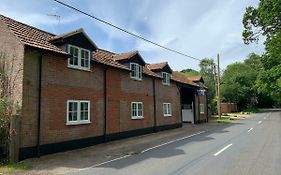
column 218, row 88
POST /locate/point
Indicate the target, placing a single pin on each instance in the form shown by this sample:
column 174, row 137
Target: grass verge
column 224, row 120
column 12, row 168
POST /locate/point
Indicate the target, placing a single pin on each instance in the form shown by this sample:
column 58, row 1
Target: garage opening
column 188, row 104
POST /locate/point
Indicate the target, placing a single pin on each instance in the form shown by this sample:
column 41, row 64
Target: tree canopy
column 266, row 20
column 190, row 72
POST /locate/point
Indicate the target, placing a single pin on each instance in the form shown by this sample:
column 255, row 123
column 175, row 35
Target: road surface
column 250, row 147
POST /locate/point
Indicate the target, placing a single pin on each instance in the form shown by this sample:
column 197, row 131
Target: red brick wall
column 167, row 94
column 121, row 91
column 60, row 83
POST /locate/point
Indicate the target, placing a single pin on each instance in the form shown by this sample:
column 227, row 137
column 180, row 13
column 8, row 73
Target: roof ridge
column 2, row 16
column 67, row 33
column 132, row 51
column 107, row 51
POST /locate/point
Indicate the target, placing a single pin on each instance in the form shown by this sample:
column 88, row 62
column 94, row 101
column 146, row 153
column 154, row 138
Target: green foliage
column 266, row 20
column 207, row 71
column 263, row 20
column 269, row 80
column 238, row 84
column 4, row 129
column 190, row 72
column 12, row 168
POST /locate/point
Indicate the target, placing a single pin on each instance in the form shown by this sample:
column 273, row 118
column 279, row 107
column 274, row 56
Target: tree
column 190, row 72
column 8, row 76
column 238, row 84
column 263, row 20
column 266, row 20
column 207, row 71
column 269, row 79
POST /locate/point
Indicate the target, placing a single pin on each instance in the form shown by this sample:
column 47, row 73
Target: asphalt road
column 250, row 147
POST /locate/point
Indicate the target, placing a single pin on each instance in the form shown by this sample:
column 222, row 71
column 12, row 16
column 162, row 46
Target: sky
column 200, row 28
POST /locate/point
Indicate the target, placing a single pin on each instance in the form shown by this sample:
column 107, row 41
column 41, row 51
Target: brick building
column 72, row 94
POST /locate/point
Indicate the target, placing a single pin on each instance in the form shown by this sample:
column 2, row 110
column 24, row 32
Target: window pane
column 75, row 61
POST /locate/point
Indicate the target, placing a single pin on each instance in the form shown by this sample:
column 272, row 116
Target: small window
column 202, row 109
column 80, row 58
column 137, row 110
column 136, row 71
column 167, row 109
column 78, row 112
column 166, row 78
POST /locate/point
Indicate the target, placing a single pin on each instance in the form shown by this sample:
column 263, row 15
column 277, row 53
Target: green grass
column 251, row 110
column 11, row 168
column 224, row 120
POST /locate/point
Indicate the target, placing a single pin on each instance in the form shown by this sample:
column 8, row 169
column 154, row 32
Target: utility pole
column 218, row 88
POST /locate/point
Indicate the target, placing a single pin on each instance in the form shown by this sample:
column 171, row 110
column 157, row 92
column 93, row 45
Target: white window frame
column 138, row 71
column 138, row 116
column 79, row 58
column 167, row 109
column 202, row 108
column 166, row 78
column 78, row 121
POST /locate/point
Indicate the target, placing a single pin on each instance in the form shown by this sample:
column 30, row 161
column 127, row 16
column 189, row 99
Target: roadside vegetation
column 13, row 168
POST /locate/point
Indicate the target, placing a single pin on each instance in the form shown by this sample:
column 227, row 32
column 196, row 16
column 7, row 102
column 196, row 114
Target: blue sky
column 200, row 28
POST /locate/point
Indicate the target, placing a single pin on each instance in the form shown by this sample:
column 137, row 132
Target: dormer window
column 80, row 58
column 166, row 78
column 136, row 71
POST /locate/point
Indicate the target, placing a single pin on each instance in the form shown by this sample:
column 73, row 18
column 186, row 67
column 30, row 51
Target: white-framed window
column 78, row 112
column 80, row 58
column 136, row 71
column 137, row 110
column 166, row 78
column 167, row 109
column 202, row 109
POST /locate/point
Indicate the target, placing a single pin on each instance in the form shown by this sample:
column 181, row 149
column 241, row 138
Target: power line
column 128, row 32
column 123, row 30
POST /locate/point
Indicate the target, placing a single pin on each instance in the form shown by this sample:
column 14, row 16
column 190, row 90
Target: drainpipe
column 154, row 107
column 105, row 104
column 194, row 106
column 178, row 86
column 199, row 113
column 39, row 106
column 207, row 107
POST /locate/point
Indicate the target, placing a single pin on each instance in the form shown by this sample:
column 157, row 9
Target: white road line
column 260, row 122
column 173, row 141
column 222, row 150
column 123, row 157
column 250, row 129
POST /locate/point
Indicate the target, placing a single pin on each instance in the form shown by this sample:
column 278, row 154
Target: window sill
column 136, row 79
column 78, row 123
column 137, row 118
column 79, row 68
column 166, row 84
column 167, row 115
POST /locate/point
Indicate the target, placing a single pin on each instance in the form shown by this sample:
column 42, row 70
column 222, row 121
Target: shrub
column 4, row 129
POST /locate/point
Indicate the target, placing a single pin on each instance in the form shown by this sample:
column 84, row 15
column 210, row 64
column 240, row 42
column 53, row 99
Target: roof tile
column 31, row 36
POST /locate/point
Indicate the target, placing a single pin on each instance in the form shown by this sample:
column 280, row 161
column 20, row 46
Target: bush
column 4, row 130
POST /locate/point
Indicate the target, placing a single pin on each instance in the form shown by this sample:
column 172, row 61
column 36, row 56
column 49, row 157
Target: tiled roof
column 149, row 72
column 157, row 66
column 195, row 78
column 182, row 78
column 109, row 58
column 31, row 36
column 69, row 34
column 124, row 56
column 106, row 57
